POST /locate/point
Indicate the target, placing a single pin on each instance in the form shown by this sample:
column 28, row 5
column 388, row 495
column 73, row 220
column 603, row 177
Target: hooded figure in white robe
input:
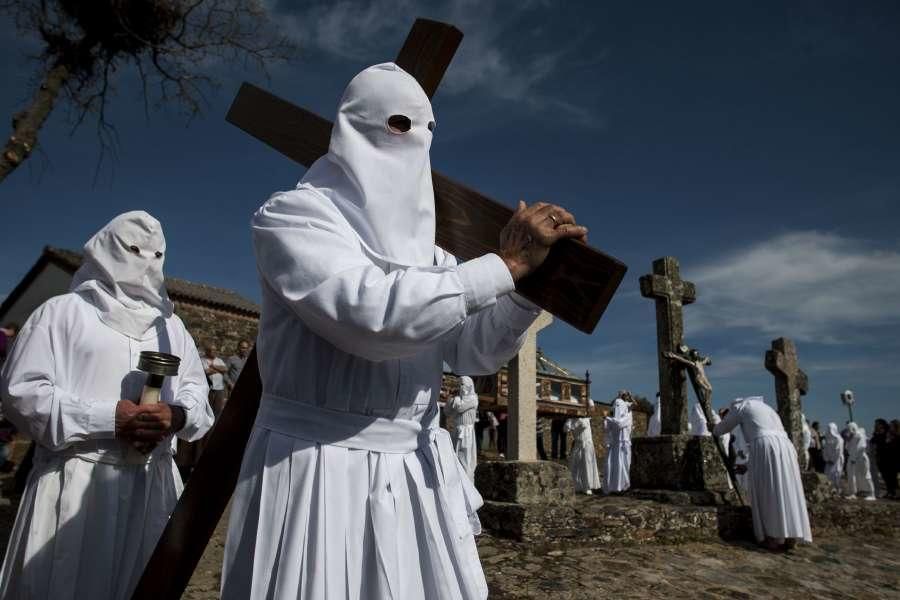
column 583, row 458
column 93, row 506
column 618, row 427
column 741, row 457
column 833, row 454
column 776, row 490
column 464, row 410
column 654, row 425
column 807, row 438
column 697, row 422
column 859, row 476
column 348, row 488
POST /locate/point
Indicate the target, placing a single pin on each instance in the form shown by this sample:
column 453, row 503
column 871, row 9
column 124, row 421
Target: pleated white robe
column 89, row 520
column 776, row 496
column 583, row 457
column 348, row 488
column 616, row 476
column 833, row 453
column 859, row 473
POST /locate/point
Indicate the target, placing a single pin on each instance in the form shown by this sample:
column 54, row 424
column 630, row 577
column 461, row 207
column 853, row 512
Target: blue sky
column 757, row 142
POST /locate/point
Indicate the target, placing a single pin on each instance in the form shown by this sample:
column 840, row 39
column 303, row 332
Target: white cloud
column 811, row 286
column 367, row 31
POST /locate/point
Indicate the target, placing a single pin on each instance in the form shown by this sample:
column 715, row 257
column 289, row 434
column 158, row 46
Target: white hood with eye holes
column 380, row 180
column 122, row 274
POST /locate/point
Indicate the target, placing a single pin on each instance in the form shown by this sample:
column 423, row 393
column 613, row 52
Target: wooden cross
column 671, row 294
column 575, row 282
column 521, row 419
column 790, row 384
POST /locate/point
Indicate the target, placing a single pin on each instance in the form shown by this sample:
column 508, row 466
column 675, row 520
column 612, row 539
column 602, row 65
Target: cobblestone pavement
column 834, row 567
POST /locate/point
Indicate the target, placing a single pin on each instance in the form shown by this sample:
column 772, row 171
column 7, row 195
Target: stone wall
column 224, row 329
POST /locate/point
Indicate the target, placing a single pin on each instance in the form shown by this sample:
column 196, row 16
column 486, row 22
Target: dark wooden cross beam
column 671, row 293
column 576, row 283
column 790, row 384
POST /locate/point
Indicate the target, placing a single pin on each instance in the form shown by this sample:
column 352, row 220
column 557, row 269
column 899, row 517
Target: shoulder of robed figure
column 57, row 310
column 442, row 258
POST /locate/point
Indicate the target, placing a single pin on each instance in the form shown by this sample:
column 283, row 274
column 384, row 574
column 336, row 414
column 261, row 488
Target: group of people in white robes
column 348, row 487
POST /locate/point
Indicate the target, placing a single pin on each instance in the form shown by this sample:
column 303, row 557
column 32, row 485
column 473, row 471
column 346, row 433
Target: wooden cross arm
column 575, row 283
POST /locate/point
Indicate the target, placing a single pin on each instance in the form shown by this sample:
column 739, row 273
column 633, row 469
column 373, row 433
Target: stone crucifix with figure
column 574, row 282
column 791, row 383
column 671, row 294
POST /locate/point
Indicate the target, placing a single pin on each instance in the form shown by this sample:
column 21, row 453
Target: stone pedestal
column 527, row 501
column 679, row 463
column 817, row 488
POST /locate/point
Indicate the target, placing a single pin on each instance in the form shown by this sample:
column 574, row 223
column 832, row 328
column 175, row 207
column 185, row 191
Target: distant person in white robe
column 833, row 453
column 859, row 475
column 806, row 440
column 348, row 488
column 617, row 428
column 654, row 425
column 697, row 422
column 464, row 410
column 94, row 506
column 741, row 457
column 583, row 457
column 779, row 511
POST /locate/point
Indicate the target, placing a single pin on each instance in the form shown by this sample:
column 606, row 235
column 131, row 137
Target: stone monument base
column 681, row 469
column 527, row 501
column 817, row 488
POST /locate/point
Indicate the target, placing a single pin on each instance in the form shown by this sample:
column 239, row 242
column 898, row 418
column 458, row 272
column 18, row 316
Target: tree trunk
column 28, row 123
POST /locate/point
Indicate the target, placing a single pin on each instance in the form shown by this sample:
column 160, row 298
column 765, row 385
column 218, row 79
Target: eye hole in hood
column 399, row 124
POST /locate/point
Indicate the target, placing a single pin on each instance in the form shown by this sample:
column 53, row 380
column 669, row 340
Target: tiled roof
column 180, row 290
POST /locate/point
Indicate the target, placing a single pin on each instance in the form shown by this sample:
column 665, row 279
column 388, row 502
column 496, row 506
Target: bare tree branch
column 173, row 44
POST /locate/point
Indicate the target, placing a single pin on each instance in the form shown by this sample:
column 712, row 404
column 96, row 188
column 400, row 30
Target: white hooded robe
column 464, row 410
column 654, row 425
column 583, row 458
column 859, row 475
column 776, row 489
column 618, row 427
column 90, row 518
column 348, row 487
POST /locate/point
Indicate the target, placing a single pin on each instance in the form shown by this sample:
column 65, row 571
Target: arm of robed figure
column 348, row 300
column 36, row 404
column 192, row 394
column 731, row 420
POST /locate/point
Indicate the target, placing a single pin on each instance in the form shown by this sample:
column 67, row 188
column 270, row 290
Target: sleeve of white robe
column 731, row 420
column 463, row 403
column 34, row 403
column 317, row 268
column 192, row 394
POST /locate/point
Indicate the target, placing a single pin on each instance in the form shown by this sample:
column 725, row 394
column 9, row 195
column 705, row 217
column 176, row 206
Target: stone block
column 527, row 501
column 817, row 488
column 677, row 462
column 537, row 482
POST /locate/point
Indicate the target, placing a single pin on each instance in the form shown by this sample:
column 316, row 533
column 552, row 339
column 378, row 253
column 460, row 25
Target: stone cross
column 522, row 409
column 790, row 384
column 671, row 293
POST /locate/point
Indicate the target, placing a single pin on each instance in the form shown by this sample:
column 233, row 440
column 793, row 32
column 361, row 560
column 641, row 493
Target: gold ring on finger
column 555, row 222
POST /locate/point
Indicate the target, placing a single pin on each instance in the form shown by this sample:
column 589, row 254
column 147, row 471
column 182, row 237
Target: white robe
column 616, row 477
column 348, row 488
column 833, row 453
column 654, row 426
column 583, row 458
column 464, row 410
column 741, row 457
column 777, row 499
column 697, row 422
column 88, row 521
column 859, row 476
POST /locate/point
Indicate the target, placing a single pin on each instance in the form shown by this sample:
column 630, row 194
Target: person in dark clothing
column 480, row 424
column 558, row 438
column 885, row 459
column 501, row 433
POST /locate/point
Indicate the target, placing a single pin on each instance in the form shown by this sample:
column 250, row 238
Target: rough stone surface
column 790, row 384
column 817, row 488
column 671, row 293
column 538, row 482
column 677, row 462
